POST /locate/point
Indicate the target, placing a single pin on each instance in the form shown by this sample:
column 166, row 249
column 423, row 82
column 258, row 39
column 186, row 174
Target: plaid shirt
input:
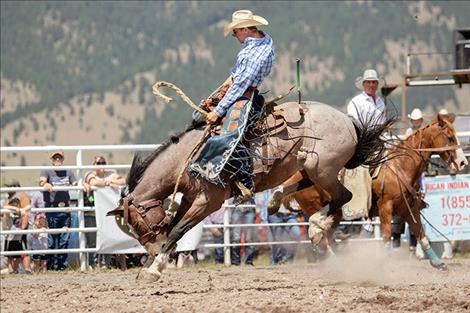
column 254, row 63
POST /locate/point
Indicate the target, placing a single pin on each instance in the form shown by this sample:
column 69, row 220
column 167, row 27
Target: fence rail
column 80, row 208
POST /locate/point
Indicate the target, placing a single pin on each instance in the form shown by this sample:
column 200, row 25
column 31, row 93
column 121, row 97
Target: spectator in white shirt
column 368, row 106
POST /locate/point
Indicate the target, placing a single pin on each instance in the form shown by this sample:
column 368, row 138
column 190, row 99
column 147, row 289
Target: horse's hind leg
column 322, row 221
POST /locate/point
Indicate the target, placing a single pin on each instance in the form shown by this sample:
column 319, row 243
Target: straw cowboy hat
column 369, row 74
column 416, row 114
column 244, row 18
column 443, row 112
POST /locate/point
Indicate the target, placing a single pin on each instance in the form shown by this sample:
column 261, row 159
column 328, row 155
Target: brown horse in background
column 395, row 189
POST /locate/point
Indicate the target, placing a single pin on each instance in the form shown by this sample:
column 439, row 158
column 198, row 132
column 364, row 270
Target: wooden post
column 403, row 102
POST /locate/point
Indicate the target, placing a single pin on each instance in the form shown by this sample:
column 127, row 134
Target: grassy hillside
column 84, row 70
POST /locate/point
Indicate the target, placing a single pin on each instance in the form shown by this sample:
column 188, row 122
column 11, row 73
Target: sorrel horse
column 395, row 189
column 320, row 142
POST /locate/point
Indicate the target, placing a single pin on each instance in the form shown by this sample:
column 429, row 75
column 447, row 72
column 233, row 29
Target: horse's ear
column 451, row 118
column 440, row 119
column 119, row 211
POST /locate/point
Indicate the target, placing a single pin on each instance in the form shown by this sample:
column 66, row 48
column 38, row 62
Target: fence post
column 227, row 259
column 377, row 234
column 81, row 216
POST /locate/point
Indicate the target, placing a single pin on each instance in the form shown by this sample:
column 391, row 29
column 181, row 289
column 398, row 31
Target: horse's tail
column 371, row 144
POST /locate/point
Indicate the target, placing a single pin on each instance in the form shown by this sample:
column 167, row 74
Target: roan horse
column 321, row 142
column 395, row 189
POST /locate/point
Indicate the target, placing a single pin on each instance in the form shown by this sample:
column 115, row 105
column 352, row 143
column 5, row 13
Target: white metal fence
column 80, row 208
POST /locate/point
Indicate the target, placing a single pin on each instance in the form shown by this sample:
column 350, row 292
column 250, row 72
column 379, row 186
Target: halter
column 448, row 147
column 154, row 220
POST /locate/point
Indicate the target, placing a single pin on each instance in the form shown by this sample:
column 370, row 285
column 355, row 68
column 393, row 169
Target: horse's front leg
column 385, row 209
column 199, row 209
column 295, row 183
column 153, row 249
column 417, row 229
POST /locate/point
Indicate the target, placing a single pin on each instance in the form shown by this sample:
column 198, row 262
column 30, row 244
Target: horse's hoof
column 275, row 202
column 440, row 266
column 315, row 234
column 147, row 276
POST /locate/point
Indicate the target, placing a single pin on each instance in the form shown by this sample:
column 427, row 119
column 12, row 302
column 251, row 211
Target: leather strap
column 448, row 148
column 146, row 205
column 125, row 203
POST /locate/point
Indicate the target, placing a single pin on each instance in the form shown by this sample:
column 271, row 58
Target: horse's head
column 147, row 220
column 443, row 135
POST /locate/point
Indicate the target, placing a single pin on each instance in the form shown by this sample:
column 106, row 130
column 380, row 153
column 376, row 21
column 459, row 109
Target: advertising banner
column 449, row 207
column 113, row 236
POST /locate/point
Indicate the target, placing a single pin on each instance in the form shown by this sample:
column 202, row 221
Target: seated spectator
column 19, row 205
column 217, row 233
column 284, row 253
column 243, row 215
column 40, row 242
column 100, row 178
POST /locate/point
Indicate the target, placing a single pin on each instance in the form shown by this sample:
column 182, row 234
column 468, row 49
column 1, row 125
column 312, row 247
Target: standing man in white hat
column 416, row 121
column 368, row 106
column 238, row 105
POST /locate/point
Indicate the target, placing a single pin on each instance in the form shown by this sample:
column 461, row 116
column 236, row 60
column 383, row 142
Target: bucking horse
column 318, row 139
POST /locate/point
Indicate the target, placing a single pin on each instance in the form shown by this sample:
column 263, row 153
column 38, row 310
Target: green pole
column 297, row 83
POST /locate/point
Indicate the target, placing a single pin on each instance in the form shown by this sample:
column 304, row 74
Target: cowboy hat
column 416, row 114
column 244, row 18
column 53, row 154
column 369, row 74
column 443, row 112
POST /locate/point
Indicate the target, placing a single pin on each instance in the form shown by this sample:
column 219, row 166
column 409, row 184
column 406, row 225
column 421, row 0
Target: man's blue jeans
column 283, row 253
column 58, row 241
column 219, row 252
column 242, row 216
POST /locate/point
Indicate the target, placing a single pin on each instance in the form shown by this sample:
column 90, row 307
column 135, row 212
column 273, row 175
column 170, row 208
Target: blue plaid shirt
column 254, row 63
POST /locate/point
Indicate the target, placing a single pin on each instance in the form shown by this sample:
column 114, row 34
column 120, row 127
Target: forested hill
column 81, row 72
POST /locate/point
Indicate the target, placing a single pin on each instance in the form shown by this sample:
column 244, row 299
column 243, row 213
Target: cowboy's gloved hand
column 211, row 117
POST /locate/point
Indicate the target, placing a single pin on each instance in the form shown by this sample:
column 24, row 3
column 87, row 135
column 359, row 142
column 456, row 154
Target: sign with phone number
column 449, row 207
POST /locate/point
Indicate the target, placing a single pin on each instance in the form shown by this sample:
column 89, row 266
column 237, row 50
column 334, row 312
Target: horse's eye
column 450, row 138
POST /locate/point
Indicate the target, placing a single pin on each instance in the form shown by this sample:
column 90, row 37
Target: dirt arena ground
column 360, row 282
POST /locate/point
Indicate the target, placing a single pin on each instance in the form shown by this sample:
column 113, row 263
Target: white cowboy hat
column 416, row 114
column 443, row 112
column 244, row 18
column 369, row 74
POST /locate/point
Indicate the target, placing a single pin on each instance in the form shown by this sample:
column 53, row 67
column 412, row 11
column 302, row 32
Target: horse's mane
column 139, row 165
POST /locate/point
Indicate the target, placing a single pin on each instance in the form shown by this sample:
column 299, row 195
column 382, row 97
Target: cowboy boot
column 246, row 194
column 275, row 201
